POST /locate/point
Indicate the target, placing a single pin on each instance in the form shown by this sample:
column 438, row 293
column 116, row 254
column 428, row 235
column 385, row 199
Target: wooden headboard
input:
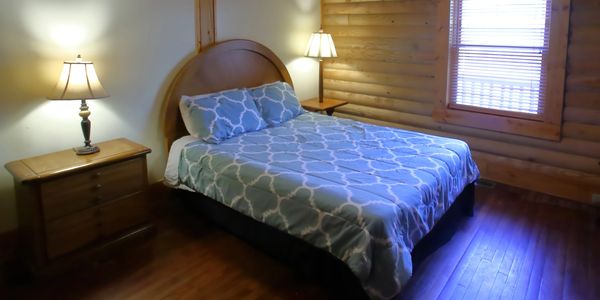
column 226, row 65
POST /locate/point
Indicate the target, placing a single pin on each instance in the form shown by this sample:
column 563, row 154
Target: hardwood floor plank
column 481, row 214
column 514, row 240
column 513, row 248
column 482, row 283
column 594, row 265
column 535, row 276
column 523, row 275
column 501, row 242
column 469, row 261
column 497, row 287
column 523, row 241
column 554, row 266
column 574, row 280
column 431, row 277
column 472, row 266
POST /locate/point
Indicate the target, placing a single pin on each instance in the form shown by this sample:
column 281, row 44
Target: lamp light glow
column 78, row 81
column 320, row 46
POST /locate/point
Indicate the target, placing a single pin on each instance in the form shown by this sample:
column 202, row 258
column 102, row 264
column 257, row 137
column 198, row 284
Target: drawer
column 72, row 232
column 79, row 191
column 124, row 213
column 84, row 227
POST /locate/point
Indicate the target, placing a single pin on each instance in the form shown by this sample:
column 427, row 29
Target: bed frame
column 244, row 63
column 226, row 65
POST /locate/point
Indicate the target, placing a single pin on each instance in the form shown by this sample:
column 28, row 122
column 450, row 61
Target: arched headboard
column 226, row 65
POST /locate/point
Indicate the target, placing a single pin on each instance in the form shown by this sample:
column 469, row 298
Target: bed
column 351, row 202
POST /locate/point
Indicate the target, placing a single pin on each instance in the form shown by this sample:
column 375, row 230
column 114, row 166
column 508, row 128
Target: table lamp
column 78, row 81
column 320, row 46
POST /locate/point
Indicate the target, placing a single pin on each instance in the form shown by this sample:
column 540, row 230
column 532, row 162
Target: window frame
column 548, row 125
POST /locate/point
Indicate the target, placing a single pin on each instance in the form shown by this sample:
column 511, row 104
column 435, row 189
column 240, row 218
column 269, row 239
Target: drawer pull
column 98, row 174
column 98, row 186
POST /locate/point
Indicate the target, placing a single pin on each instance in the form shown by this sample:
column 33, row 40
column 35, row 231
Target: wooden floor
column 514, row 248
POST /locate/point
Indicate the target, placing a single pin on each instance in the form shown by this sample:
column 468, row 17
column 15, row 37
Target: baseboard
column 559, row 182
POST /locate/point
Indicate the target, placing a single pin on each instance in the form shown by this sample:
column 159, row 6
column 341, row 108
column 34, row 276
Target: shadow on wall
column 155, row 130
column 36, row 37
column 22, row 93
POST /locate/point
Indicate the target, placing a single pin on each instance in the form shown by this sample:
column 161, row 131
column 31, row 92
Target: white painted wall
column 282, row 25
column 137, row 46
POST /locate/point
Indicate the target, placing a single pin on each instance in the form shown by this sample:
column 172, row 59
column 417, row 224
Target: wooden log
column 347, row 1
column 379, row 90
column 582, row 131
column 586, row 34
column 583, row 58
column 582, row 116
column 591, row 80
column 559, row 182
column 409, row 81
column 379, row 7
column 389, row 44
column 580, row 5
column 421, row 123
column 526, row 153
column 350, row 1
column 408, row 33
column 423, row 69
column 411, row 19
column 589, row 99
column 584, row 18
column 388, row 56
column 578, row 65
column 395, row 104
column 335, row 20
column 366, row 76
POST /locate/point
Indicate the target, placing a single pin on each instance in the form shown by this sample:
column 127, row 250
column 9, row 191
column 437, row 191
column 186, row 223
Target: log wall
column 386, row 70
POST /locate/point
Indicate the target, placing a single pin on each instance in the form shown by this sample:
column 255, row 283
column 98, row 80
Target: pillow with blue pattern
column 220, row 116
column 276, row 102
column 184, row 109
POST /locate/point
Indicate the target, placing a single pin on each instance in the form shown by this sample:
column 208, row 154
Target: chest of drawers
column 69, row 205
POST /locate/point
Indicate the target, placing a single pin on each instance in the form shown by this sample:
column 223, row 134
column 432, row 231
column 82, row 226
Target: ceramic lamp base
column 85, row 150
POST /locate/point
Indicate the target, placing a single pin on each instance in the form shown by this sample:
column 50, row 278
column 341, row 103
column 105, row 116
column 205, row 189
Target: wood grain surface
column 516, row 245
column 386, row 69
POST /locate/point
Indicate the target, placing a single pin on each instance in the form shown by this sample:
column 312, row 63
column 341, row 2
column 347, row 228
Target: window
column 502, row 65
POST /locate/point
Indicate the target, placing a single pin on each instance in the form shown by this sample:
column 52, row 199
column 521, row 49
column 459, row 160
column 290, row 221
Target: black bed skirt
column 312, row 262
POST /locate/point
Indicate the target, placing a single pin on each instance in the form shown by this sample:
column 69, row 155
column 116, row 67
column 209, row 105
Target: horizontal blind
column 498, row 51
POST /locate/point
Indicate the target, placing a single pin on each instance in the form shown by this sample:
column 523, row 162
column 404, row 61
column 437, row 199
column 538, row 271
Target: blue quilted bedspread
column 365, row 193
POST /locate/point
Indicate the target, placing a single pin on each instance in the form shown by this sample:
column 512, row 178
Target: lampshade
column 78, row 81
column 320, row 45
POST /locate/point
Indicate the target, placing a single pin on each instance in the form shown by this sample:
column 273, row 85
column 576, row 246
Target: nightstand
column 328, row 105
column 71, row 207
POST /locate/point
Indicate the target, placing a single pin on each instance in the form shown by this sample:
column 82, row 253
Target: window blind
column 498, row 54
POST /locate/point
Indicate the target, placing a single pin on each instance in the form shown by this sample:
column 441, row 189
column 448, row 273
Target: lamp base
column 85, row 150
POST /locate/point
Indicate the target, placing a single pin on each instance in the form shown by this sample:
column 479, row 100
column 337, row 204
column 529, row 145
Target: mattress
column 364, row 193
